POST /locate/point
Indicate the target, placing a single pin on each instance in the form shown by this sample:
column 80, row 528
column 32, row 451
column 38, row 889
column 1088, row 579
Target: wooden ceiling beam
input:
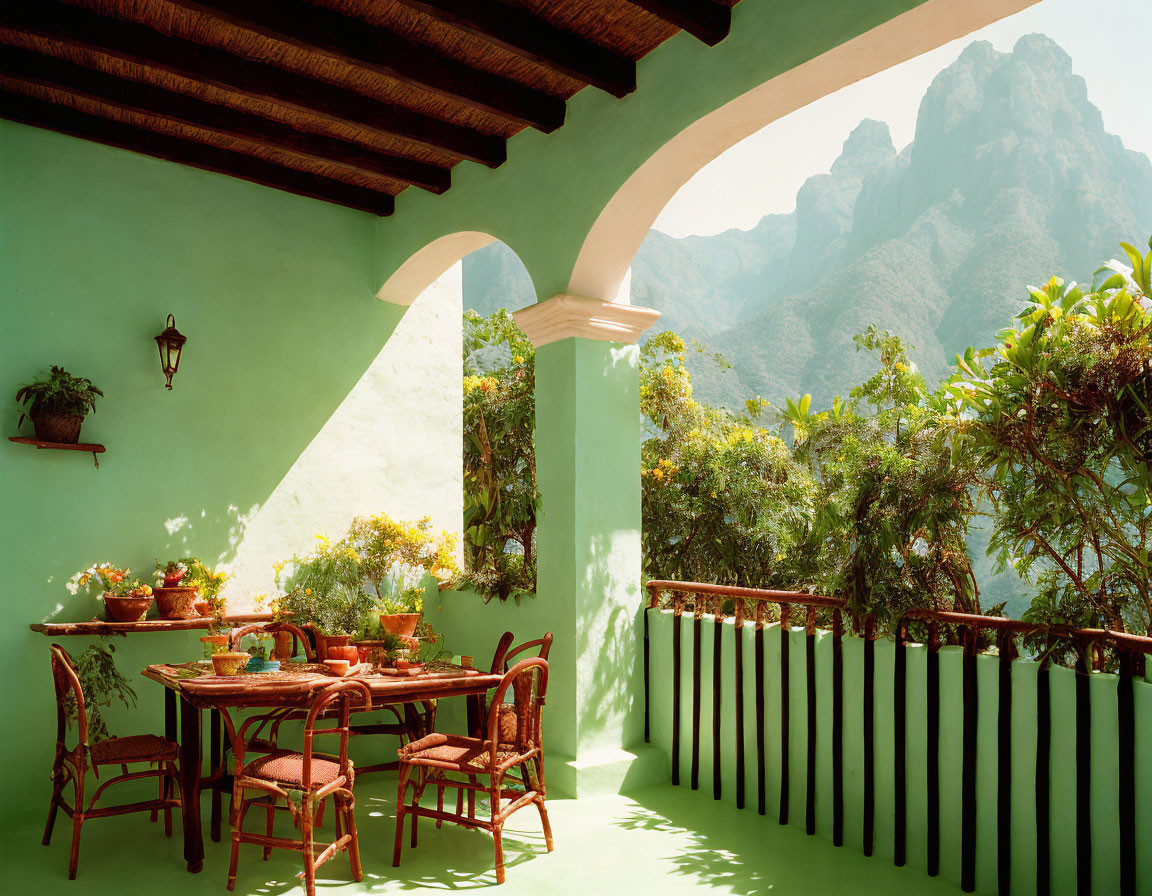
column 134, row 96
column 66, row 120
column 703, row 19
column 518, row 31
column 140, row 45
column 321, row 31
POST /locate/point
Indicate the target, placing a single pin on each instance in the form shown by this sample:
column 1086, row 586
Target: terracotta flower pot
column 126, row 609
column 229, row 663
column 177, row 602
column 60, row 428
column 344, row 652
column 323, row 642
column 403, row 624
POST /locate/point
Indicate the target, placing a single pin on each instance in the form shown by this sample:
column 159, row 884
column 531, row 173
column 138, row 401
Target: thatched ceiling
column 349, row 101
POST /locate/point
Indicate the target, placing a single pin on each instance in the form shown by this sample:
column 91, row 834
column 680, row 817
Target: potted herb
column 125, row 600
column 58, row 405
column 379, row 568
column 174, row 599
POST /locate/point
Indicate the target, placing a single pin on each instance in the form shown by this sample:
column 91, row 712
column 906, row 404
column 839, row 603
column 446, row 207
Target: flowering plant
column 191, row 572
column 380, row 566
column 114, row 580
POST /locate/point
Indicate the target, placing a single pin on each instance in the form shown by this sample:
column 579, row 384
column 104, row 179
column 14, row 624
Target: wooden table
column 199, row 689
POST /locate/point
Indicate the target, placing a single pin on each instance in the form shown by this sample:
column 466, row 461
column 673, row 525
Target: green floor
column 662, row 840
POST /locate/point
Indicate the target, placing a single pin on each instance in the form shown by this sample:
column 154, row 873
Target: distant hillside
column 1010, row 178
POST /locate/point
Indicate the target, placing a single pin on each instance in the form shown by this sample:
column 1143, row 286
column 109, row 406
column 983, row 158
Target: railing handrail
column 1123, row 642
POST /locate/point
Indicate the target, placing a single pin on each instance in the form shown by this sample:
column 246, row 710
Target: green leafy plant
column 1058, row 414
column 380, row 566
column 500, row 496
column 723, row 500
column 102, row 684
column 60, row 393
column 210, row 582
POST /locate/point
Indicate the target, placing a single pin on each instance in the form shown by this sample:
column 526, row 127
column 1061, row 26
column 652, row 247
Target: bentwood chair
column 72, row 765
column 303, row 781
column 512, row 741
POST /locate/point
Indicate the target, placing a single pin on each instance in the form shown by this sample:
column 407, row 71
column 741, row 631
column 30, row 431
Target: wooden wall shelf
column 103, row 627
column 63, row 446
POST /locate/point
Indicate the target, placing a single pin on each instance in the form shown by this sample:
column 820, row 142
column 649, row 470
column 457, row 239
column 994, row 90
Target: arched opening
column 608, row 249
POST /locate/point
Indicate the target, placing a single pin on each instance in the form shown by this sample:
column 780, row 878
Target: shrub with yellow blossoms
column 380, row 566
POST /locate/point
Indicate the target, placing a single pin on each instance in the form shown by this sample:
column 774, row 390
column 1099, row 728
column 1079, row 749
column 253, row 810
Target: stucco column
column 588, row 471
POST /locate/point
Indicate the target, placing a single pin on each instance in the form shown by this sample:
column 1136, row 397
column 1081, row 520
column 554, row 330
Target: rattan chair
column 512, row 741
column 72, row 765
column 311, row 776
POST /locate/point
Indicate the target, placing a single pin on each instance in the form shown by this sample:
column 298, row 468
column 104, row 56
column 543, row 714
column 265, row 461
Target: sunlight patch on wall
column 393, row 446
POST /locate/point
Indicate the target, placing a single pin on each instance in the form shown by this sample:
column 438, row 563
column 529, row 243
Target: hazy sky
column 760, row 175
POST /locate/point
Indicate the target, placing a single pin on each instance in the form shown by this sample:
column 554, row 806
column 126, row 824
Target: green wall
column 97, row 246
column 1104, row 782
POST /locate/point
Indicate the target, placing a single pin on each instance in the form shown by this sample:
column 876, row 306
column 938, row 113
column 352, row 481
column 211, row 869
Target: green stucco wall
column 275, row 294
column 1104, row 782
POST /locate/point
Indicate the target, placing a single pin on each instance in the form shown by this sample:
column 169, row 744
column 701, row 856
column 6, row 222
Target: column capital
column 566, row 315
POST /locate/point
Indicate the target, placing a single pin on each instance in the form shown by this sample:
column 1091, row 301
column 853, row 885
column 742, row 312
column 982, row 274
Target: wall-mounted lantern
column 170, row 342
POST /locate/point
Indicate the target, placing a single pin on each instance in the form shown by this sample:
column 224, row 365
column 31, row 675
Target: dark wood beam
column 518, row 31
column 321, row 31
column 66, row 120
column 133, row 96
column 138, row 44
column 703, row 19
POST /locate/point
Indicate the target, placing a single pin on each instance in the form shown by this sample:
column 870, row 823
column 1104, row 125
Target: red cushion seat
column 287, row 767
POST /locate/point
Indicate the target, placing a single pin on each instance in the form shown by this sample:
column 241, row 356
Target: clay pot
column 217, row 642
column 323, row 642
column 60, row 428
column 403, row 624
column 177, row 602
column 344, row 652
column 126, row 609
column 229, row 663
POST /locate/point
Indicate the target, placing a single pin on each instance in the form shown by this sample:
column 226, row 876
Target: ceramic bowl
column 229, row 663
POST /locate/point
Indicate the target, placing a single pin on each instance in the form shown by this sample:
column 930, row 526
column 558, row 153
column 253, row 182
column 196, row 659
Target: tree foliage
column 1057, row 413
column 500, row 496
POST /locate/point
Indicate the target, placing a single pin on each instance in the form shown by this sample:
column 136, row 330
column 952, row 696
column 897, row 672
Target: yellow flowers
column 481, row 383
column 901, row 366
column 308, row 591
column 519, row 359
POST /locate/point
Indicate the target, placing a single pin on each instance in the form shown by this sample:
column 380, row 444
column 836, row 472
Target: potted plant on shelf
column 125, row 600
column 208, row 583
column 380, row 566
column 174, row 599
column 58, row 405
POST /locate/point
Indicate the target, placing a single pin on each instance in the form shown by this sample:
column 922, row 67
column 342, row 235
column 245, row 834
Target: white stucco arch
column 426, row 266
column 607, row 252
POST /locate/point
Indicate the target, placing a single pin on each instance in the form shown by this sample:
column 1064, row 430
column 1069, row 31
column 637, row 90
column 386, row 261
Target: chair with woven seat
column 73, row 765
column 512, row 742
column 313, row 776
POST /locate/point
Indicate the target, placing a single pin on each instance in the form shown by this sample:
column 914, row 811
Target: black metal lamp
column 170, row 343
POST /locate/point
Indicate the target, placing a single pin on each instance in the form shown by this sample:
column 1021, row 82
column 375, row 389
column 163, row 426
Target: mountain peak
column 867, row 147
column 1041, row 51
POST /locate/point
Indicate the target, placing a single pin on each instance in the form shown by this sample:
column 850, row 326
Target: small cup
column 466, row 662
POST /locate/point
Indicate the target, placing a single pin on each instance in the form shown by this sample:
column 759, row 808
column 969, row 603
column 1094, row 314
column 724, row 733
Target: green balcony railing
column 960, row 744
